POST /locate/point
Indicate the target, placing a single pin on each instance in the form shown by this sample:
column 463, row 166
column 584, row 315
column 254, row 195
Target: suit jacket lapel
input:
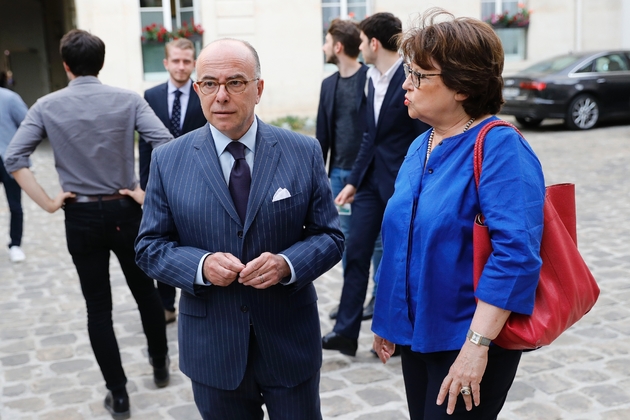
column 265, row 163
column 162, row 110
column 208, row 160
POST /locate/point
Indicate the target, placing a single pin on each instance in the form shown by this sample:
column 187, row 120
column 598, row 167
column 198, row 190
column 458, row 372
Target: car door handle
column 601, row 80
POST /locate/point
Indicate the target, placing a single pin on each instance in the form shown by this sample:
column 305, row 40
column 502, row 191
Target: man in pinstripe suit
column 244, row 258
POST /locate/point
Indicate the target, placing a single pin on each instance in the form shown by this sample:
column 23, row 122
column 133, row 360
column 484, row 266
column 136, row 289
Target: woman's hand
column 467, row 370
column 384, row 349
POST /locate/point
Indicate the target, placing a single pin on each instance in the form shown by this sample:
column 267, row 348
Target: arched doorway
column 30, row 31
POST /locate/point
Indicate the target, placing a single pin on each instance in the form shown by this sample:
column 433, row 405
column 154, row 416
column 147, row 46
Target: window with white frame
column 356, row 10
column 171, row 14
column 513, row 39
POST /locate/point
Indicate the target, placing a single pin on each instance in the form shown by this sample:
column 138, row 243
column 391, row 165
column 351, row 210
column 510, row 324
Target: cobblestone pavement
column 48, row 370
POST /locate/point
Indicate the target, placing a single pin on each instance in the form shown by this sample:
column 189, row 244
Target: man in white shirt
column 389, row 133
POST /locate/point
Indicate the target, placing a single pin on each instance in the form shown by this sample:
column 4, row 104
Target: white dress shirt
column 381, row 84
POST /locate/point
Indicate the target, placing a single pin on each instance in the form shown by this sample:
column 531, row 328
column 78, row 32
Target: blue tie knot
column 177, row 93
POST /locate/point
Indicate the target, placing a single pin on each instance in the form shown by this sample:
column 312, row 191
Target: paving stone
column 573, row 403
column 623, row 414
column 376, row 396
column 538, row 411
column 71, row 396
column 48, row 385
column 188, row 411
column 384, row 415
column 71, row 366
column 59, row 339
column 26, row 404
column 520, row 391
column 13, row 391
column 20, row 374
column 64, row 414
column 587, row 376
column 365, row 375
column 336, row 406
column 15, row 360
column 334, row 364
column 329, row 384
column 607, row 395
column 55, row 353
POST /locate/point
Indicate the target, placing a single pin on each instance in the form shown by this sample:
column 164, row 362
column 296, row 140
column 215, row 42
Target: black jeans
column 424, row 372
column 92, row 231
column 14, row 198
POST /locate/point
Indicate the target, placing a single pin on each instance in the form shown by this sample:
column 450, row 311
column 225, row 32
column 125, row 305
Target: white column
column 625, row 28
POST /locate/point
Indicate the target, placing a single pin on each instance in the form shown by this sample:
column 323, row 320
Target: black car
column 581, row 88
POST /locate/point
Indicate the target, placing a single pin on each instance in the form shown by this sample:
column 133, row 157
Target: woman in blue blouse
column 425, row 302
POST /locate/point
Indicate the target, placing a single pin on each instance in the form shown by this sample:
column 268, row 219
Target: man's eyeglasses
column 416, row 77
column 233, row 87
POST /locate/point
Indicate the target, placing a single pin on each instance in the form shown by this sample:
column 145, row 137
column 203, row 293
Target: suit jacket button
column 244, row 308
column 240, row 234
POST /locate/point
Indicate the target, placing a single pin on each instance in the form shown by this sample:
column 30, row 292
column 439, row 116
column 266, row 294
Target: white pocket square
column 281, row 194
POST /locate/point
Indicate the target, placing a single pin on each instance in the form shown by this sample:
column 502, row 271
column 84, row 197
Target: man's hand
column 265, row 271
column 137, row 194
column 221, row 269
column 346, row 195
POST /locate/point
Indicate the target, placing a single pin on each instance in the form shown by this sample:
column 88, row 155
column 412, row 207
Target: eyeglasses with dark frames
column 233, row 87
column 417, row 77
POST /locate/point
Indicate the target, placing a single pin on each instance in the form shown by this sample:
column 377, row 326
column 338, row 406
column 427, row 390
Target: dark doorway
column 30, row 31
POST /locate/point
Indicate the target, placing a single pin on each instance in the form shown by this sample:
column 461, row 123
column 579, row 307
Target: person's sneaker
column 16, row 254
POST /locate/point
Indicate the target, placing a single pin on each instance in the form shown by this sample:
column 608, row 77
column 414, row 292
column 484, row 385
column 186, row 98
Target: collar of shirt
column 381, row 84
column 225, row 158
column 82, row 80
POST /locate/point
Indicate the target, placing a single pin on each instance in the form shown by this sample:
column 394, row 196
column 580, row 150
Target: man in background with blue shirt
column 12, row 112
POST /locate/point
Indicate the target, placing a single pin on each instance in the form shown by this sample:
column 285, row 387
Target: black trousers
column 244, row 403
column 92, row 231
column 365, row 226
column 14, row 199
column 424, row 372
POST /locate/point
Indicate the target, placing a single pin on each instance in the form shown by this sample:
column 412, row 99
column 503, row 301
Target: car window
column 552, row 65
column 610, row 63
column 586, row 68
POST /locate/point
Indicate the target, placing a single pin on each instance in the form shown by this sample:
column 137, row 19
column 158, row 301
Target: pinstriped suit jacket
column 188, row 211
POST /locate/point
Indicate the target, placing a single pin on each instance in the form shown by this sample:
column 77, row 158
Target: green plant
column 292, row 122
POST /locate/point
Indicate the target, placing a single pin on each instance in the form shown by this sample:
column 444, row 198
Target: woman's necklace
column 430, row 143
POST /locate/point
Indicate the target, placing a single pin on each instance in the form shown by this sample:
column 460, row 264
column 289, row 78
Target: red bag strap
column 478, row 151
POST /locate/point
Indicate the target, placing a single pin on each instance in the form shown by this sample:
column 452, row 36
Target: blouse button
column 430, row 171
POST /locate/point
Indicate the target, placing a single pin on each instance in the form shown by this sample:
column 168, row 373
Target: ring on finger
column 262, row 279
column 466, row 390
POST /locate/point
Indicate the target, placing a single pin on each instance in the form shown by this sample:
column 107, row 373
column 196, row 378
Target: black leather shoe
column 334, row 312
column 117, row 407
column 368, row 311
column 161, row 375
column 334, row 341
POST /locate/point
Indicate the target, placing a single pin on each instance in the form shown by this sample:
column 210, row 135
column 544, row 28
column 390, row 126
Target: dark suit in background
column 383, row 149
column 157, row 97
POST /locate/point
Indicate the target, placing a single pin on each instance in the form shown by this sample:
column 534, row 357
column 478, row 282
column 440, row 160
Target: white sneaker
column 16, row 254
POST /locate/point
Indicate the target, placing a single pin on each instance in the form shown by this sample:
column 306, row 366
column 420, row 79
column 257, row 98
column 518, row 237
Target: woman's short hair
column 468, row 52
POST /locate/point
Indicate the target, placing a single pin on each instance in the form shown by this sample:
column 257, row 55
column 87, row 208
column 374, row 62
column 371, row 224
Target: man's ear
column 338, row 47
column 375, row 44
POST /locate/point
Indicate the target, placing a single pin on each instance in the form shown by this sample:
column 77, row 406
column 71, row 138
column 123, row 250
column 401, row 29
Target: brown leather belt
column 80, row 198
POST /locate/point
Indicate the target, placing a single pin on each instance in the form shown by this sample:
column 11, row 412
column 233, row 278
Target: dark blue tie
column 176, row 115
column 240, row 178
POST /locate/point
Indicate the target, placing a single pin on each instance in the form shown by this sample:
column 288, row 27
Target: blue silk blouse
column 425, row 293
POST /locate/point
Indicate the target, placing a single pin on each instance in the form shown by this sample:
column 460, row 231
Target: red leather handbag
column 566, row 288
